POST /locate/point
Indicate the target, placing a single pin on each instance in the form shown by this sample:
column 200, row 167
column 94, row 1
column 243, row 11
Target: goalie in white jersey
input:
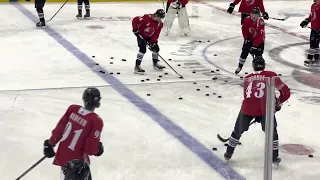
column 177, row 8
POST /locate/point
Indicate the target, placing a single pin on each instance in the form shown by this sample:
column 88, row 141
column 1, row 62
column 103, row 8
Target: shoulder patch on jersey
column 97, row 134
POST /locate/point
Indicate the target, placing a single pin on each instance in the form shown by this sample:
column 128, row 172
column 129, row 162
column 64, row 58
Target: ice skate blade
column 140, row 73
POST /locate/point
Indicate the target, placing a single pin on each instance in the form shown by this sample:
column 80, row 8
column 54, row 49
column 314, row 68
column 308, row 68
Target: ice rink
column 156, row 136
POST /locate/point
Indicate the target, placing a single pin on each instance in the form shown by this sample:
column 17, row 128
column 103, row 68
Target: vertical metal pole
column 270, row 108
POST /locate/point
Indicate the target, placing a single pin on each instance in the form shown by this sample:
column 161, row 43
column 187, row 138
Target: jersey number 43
column 257, row 91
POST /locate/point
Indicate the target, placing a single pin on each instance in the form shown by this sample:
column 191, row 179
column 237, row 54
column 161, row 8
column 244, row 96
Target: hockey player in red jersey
column 254, row 106
column 78, row 132
column 246, row 7
column 254, row 37
column 147, row 28
column 177, row 8
column 313, row 58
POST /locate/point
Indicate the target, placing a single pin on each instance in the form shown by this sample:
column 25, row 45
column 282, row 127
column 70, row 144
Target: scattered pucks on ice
column 193, row 72
column 217, row 70
column 212, row 71
column 241, row 77
column 160, row 76
column 102, row 71
column 225, row 144
column 194, row 82
column 310, row 156
column 165, row 73
column 148, row 94
column 97, row 64
column 181, row 77
column 147, row 79
column 158, row 79
column 111, row 57
column 219, row 97
column 208, row 41
column 111, row 73
column 118, row 72
column 279, row 74
column 246, row 73
column 179, row 64
column 199, row 41
column 180, row 98
column 198, row 89
column 169, row 59
column 123, row 59
column 214, row 78
column 207, row 94
column 111, row 62
column 93, row 56
column 215, row 54
column 207, row 86
column 214, row 149
column 142, row 80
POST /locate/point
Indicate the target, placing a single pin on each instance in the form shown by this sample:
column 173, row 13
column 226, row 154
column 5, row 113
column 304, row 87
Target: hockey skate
column 41, row 24
column 276, row 162
column 87, row 15
column 139, row 70
column 307, row 63
column 79, row 15
column 157, row 67
column 238, row 70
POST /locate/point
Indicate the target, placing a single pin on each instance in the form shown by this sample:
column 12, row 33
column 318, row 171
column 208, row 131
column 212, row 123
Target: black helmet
column 160, row 13
column 258, row 63
column 255, row 10
column 76, row 170
column 91, row 98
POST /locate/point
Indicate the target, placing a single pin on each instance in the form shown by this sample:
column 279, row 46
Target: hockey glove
column 154, row 47
column 247, row 41
column 231, row 7
column 265, row 15
column 253, row 51
column 277, row 105
column 136, row 32
column 304, row 23
column 48, row 149
column 101, row 149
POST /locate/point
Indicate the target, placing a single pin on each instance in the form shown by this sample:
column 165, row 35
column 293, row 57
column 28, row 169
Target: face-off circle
column 296, row 149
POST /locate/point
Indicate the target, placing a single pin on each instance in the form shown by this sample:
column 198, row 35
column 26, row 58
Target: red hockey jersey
column 246, row 6
column 254, row 92
column 78, row 132
column 253, row 30
column 314, row 16
column 183, row 2
column 148, row 28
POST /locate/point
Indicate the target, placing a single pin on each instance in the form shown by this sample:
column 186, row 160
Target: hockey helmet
column 258, row 63
column 91, row 98
column 76, row 170
column 255, row 10
column 160, row 13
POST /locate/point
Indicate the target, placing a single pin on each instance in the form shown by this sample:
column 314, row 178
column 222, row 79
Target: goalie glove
column 304, row 23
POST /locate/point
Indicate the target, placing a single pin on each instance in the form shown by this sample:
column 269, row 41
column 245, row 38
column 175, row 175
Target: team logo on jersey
column 149, row 31
column 250, row 2
column 253, row 32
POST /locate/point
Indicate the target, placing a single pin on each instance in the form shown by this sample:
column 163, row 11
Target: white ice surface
column 137, row 148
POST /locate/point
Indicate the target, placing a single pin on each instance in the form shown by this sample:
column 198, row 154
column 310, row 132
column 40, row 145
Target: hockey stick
column 57, row 11
column 227, row 139
column 33, row 166
column 180, row 76
column 279, row 19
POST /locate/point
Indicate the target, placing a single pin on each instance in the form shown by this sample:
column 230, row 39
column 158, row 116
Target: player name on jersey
column 78, row 119
column 256, row 78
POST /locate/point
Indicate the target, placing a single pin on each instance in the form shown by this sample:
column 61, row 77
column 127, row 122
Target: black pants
column 142, row 44
column 314, row 45
column 39, row 4
column 242, row 125
column 246, row 50
column 243, row 16
column 86, row 2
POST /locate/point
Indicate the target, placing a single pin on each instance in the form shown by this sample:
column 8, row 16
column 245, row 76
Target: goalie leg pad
column 171, row 14
column 183, row 19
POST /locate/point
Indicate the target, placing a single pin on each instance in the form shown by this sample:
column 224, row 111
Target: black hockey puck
column 217, row 70
column 310, row 156
column 169, row 59
column 118, row 72
column 165, row 73
column 147, row 79
column 194, row 82
column 111, row 62
column 279, row 74
column 93, row 56
column 219, row 97
column 179, row 64
column 158, row 79
column 225, row 144
column 214, row 78
column 193, row 72
column 212, row 71
column 180, row 98
column 198, row 89
column 199, row 41
column 215, row 54
column 214, row 93
column 241, row 77
column 208, row 41
column 207, row 86
column 160, row 76
column 111, row 57
column 214, row 149
column 111, row 73
column 102, row 71
column 207, row 94
column 97, row 64
column 142, row 80
column 225, row 80
column 148, row 94
column 181, row 77
column 123, row 59
column 246, row 73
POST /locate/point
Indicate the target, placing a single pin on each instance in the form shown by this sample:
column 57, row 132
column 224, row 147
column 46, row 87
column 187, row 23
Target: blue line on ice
column 191, row 143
